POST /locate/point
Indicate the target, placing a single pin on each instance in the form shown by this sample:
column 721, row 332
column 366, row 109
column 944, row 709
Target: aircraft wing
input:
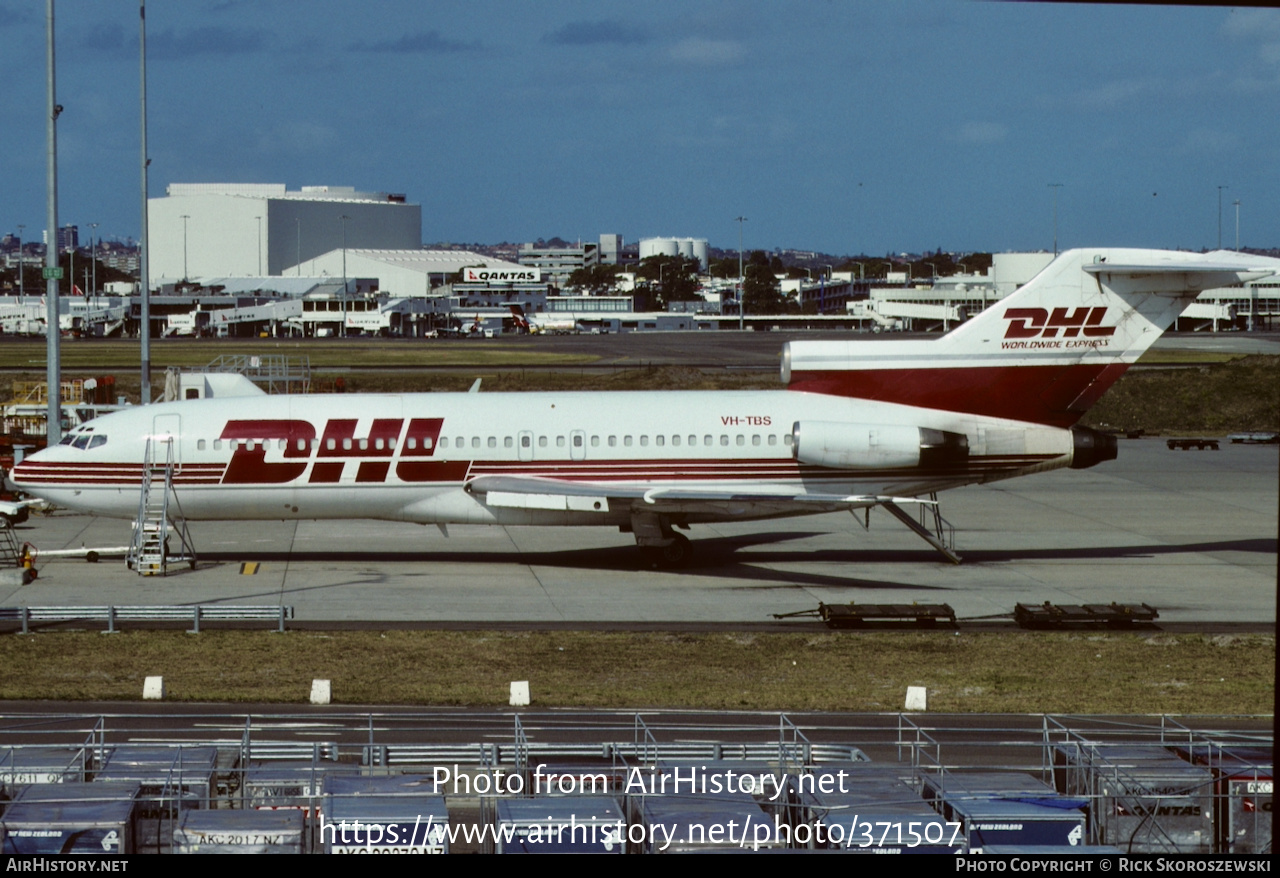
column 546, row 493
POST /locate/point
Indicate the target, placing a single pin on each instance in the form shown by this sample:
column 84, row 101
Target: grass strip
column 123, row 354
column 1018, row 672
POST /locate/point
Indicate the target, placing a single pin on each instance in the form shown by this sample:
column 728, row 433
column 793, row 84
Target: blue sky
column 837, row 126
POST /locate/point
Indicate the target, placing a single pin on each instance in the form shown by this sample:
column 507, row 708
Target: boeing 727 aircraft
column 860, row 424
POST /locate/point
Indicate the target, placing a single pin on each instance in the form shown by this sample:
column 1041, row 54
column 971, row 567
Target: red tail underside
column 1053, row 395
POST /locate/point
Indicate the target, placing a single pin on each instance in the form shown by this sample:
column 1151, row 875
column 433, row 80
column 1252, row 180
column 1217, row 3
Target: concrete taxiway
column 1191, row 533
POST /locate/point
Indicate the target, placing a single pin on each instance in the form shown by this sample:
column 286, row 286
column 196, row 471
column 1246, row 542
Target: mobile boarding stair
column 12, row 556
column 151, row 550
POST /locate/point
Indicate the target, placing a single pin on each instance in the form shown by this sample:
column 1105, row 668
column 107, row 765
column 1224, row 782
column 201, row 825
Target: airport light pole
column 53, row 363
column 1220, row 188
column 741, row 280
column 144, row 250
column 185, row 217
column 1055, row 187
column 344, row 219
column 1237, row 204
column 93, row 257
column 21, row 290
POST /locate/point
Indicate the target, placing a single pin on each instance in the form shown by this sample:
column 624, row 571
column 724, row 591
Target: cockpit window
column 84, row 439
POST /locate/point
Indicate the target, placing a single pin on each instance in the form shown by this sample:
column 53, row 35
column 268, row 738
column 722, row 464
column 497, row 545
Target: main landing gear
column 659, row 545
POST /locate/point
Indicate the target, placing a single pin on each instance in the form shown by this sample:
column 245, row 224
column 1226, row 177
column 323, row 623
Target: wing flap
column 557, row 494
column 540, row 499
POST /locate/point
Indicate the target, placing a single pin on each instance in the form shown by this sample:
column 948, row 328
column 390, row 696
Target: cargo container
column 71, row 818
column 367, row 823
column 560, row 825
column 240, row 832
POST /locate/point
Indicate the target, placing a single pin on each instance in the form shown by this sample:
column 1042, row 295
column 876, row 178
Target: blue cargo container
column 681, row 824
column 71, row 818
column 560, row 825
column 1012, row 822
column 369, row 823
column 27, row 765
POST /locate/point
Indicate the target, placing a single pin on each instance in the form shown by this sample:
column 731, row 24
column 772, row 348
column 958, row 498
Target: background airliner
column 860, row 424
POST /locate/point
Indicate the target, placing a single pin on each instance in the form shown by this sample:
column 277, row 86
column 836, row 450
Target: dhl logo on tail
column 1041, row 323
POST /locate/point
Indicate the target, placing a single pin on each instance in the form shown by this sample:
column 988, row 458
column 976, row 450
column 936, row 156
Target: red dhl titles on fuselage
column 335, row 447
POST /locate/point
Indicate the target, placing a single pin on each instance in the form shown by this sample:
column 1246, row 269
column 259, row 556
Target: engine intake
column 876, row 446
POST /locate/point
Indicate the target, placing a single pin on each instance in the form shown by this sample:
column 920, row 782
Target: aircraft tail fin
column 1045, row 353
column 518, row 315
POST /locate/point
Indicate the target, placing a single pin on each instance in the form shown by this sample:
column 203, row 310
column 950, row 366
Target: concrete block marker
column 153, row 689
column 321, row 692
column 917, row 698
column 520, row 693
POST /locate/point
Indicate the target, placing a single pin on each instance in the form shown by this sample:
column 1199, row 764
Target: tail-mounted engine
column 1090, row 447
column 877, row 446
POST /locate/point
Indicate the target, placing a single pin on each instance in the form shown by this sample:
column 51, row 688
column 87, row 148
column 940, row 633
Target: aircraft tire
column 677, row 553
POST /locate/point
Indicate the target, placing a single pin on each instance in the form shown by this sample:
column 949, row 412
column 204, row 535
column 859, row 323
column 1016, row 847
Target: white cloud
column 1113, row 94
column 1253, row 24
column 708, row 52
column 1207, row 140
column 297, row 137
column 982, row 132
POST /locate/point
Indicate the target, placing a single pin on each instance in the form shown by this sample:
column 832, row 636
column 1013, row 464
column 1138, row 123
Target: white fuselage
column 411, row 457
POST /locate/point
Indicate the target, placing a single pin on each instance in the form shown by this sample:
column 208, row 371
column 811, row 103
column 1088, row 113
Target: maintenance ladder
column 150, row 552
column 10, row 551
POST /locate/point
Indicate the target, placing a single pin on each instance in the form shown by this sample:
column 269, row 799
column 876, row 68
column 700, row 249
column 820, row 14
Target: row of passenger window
column 577, row 440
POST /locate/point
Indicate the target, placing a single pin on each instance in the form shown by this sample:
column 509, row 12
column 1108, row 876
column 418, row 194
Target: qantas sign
column 502, row 276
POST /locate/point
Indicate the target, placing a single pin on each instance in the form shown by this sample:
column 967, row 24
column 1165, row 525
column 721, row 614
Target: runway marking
column 248, row 568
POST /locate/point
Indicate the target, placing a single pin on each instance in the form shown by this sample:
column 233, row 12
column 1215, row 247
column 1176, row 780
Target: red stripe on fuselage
column 1052, row 395
column 62, row 473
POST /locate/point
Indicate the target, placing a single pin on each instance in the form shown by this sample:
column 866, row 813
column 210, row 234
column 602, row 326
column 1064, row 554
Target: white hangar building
column 416, row 272
column 262, row 229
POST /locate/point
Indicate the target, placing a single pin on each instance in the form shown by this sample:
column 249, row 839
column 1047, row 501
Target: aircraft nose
column 26, row 472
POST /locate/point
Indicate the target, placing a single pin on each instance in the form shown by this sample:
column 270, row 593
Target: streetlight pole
column 344, row 219
column 1055, row 187
column 93, row 256
column 21, row 287
column 1237, row 204
column 144, row 251
column 185, row 217
column 741, row 285
column 1220, row 188
column 53, row 363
